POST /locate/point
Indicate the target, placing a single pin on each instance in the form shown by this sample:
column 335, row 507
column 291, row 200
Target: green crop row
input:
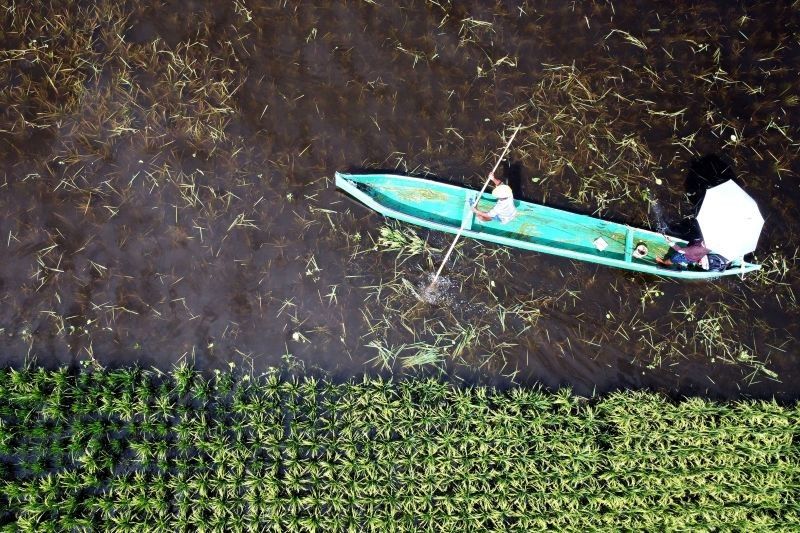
column 129, row 449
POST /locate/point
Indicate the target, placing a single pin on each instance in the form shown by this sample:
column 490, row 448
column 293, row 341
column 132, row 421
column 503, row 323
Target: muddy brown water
column 267, row 265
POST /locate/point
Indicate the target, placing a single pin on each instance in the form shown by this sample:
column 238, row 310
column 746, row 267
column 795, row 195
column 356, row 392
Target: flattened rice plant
column 403, row 241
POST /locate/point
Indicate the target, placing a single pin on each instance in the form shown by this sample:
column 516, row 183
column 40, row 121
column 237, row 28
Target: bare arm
column 673, row 244
column 481, row 214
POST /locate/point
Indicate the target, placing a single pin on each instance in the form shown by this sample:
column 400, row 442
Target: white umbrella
column 730, row 221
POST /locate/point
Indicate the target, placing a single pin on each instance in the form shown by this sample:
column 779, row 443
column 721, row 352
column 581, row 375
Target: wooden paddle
column 461, row 229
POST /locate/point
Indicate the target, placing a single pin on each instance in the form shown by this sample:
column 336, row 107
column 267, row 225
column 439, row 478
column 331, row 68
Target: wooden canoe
column 444, row 207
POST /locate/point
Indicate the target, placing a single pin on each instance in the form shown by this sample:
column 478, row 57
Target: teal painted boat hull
column 444, row 207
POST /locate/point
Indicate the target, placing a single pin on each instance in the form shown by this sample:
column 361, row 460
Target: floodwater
column 167, row 187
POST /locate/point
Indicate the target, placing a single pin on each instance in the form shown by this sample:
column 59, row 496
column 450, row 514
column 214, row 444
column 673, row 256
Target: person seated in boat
column 695, row 254
column 504, row 210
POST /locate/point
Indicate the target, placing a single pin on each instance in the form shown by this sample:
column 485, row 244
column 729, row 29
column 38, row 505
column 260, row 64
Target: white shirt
column 504, row 208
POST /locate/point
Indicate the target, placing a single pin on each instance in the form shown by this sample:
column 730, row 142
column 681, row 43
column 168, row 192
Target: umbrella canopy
column 730, row 221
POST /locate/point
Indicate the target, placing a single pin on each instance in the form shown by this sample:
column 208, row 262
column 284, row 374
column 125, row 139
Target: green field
column 136, row 450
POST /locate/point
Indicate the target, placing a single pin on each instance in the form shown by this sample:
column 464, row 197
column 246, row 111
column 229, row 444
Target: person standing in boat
column 504, row 210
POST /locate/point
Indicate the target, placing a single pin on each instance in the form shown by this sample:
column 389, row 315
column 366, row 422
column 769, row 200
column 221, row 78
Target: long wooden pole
column 461, row 229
